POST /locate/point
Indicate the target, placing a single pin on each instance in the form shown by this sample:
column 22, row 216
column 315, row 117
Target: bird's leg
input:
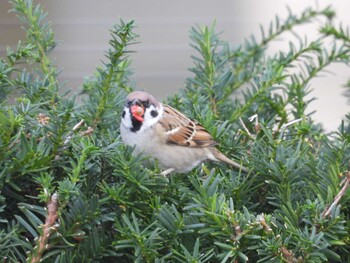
column 167, row 171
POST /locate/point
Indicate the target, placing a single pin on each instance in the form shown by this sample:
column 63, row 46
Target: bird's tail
column 221, row 157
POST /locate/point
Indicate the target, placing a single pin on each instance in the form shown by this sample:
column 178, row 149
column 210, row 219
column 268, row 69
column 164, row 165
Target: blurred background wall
column 163, row 54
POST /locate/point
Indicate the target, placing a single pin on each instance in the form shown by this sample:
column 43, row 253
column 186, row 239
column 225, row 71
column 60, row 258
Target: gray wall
column 163, row 56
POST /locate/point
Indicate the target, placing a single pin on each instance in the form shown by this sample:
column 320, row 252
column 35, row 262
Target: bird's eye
column 145, row 103
column 128, row 103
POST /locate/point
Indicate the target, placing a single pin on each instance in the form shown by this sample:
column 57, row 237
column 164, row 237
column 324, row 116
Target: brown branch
column 341, row 193
column 287, row 255
column 262, row 221
column 52, row 215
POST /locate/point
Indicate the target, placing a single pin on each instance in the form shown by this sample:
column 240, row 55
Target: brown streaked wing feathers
column 182, row 131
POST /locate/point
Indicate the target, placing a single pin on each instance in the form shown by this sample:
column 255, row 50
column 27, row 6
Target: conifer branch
column 40, row 36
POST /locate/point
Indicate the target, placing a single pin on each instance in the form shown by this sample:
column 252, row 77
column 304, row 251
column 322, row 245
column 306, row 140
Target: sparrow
column 162, row 132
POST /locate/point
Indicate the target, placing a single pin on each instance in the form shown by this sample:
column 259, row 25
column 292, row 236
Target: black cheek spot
column 154, row 113
column 123, row 114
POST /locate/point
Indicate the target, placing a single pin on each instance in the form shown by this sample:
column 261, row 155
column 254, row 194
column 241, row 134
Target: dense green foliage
column 112, row 208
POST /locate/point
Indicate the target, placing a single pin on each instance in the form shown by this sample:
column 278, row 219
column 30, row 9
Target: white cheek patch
column 126, row 120
column 150, row 120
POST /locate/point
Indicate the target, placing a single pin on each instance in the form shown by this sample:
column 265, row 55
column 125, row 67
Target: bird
column 157, row 130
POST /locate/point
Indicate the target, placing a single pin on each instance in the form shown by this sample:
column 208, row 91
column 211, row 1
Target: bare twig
column 245, row 128
column 52, row 215
column 255, row 118
column 78, row 125
column 341, row 193
column 285, row 125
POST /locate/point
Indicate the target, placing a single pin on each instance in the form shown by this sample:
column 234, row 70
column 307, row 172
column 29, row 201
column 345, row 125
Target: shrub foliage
column 70, row 191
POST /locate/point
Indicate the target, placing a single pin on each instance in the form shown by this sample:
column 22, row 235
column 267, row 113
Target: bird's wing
column 182, row 131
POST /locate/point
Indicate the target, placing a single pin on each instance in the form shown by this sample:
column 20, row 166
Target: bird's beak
column 137, row 111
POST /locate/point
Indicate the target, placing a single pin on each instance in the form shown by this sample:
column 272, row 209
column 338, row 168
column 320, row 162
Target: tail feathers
column 222, row 158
